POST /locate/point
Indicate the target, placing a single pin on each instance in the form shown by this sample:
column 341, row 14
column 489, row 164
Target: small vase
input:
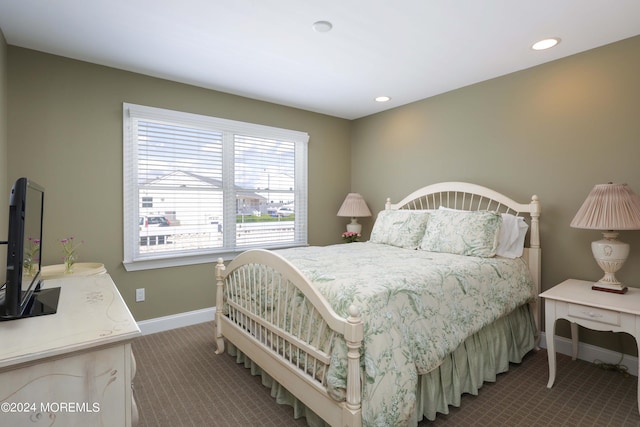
column 68, row 264
column 28, row 267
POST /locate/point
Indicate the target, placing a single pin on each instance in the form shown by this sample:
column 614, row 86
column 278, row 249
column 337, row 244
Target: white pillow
column 511, row 237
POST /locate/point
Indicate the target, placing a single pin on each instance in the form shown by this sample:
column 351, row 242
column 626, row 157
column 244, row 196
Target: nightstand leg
column 550, row 329
column 574, row 340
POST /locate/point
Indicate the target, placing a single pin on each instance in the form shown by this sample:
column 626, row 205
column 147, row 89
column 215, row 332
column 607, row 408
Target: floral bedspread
column 417, row 307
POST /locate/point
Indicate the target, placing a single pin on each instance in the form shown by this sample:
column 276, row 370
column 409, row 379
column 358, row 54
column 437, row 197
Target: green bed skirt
column 479, row 358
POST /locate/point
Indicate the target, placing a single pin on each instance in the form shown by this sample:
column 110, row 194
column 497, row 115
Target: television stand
column 42, row 302
column 75, row 366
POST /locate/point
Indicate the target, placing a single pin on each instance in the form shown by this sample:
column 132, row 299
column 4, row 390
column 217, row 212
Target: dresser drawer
column 599, row 315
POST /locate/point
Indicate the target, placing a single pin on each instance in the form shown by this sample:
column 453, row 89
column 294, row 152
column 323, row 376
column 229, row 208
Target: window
column 197, row 188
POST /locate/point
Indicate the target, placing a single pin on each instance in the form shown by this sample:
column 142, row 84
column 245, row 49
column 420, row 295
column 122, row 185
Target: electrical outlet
column 139, row 294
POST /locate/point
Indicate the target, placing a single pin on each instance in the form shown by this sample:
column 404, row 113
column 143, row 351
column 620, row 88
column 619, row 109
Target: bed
column 442, row 298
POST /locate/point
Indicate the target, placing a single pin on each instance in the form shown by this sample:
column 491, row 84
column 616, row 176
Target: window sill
column 150, row 264
column 174, row 261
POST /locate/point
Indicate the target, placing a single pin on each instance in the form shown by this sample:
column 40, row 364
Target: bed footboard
column 270, row 312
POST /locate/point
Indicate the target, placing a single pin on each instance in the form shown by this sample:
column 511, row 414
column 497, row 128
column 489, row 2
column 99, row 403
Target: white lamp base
column 610, row 254
column 354, row 226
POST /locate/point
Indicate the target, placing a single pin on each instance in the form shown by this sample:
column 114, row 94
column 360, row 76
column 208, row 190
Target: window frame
column 133, row 261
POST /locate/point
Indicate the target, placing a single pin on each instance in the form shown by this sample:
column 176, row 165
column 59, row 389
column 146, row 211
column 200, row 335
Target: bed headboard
column 473, row 197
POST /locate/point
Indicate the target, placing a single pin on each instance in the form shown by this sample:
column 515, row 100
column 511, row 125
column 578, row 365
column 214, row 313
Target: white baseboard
column 160, row 324
column 586, row 352
column 590, row 353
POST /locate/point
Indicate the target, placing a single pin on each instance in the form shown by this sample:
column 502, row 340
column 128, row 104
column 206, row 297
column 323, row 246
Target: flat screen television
column 22, row 294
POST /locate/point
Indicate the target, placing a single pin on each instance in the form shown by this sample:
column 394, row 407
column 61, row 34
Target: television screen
column 24, row 252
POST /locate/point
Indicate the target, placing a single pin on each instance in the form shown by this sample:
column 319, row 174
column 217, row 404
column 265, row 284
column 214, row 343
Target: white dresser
column 74, row 367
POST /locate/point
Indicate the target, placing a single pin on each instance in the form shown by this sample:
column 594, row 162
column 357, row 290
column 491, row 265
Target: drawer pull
column 592, row 314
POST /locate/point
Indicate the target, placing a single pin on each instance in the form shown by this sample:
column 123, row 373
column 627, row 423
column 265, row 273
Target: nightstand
column 575, row 301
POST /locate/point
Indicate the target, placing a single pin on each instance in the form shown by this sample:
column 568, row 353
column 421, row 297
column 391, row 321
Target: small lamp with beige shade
column 609, row 208
column 354, row 207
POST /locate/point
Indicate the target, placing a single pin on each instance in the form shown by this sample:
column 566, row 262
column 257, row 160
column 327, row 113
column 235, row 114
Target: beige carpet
column 180, row 381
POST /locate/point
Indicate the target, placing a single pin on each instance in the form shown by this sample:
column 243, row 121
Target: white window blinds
column 197, row 187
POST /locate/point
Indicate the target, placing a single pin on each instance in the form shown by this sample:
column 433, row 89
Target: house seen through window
column 197, row 187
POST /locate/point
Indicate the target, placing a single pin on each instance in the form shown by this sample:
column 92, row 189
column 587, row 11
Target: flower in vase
column 31, row 256
column 350, row 236
column 69, row 247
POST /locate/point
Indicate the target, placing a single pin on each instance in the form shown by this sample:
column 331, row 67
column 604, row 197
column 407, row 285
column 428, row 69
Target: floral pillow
column 402, row 228
column 463, row 233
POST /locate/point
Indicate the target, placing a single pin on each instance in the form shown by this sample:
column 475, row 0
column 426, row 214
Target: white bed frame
column 290, row 354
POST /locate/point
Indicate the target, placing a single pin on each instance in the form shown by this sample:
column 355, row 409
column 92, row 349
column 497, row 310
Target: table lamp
column 354, row 206
column 609, row 207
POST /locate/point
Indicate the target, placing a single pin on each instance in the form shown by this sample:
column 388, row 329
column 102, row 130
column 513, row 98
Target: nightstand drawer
column 594, row 314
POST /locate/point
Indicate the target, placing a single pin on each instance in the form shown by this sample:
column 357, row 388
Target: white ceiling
column 267, row 49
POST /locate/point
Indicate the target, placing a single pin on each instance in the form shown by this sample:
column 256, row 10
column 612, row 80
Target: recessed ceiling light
column 545, row 44
column 383, row 99
column 322, row 26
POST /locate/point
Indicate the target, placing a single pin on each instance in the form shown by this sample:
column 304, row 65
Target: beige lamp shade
column 354, row 207
column 609, row 207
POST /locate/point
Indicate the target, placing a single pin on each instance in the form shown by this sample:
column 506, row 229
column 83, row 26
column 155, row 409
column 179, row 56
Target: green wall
column 555, row 130
column 65, row 132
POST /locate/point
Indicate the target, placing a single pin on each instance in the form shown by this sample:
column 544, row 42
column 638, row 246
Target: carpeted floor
column 180, row 381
